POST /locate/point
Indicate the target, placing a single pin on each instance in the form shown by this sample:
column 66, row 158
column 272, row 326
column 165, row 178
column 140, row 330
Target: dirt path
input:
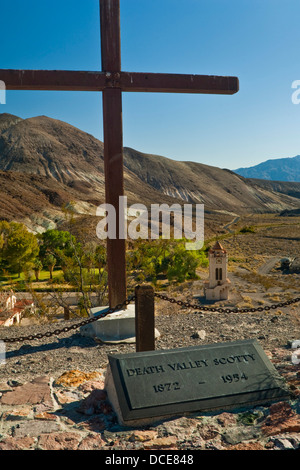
column 234, row 221
column 266, row 268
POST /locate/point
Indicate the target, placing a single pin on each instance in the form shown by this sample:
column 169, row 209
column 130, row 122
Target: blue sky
column 256, row 40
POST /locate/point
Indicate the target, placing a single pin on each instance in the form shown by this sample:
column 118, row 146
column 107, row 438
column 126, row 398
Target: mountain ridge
column 52, row 162
column 277, row 169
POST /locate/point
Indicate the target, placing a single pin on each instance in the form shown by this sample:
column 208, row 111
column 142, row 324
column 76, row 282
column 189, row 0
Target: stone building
column 12, row 309
column 217, row 285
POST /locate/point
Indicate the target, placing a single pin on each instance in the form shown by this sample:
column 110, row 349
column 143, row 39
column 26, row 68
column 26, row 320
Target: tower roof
column 217, row 247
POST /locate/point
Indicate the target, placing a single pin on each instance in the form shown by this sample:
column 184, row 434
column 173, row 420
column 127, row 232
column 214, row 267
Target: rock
column 142, row 436
column 37, row 391
column 11, row 443
column 213, row 445
column 282, row 444
column 46, row 416
column 91, row 385
column 91, row 442
column 4, row 387
column 200, row 334
column 66, row 396
column 248, row 446
column 60, row 441
column 16, row 415
column 74, row 378
column 281, row 419
column 95, row 424
column 226, row 419
column 35, row 428
column 239, row 434
column 93, row 403
column 14, row 383
column 161, row 443
column 208, row 432
column 295, row 358
column 285, row 441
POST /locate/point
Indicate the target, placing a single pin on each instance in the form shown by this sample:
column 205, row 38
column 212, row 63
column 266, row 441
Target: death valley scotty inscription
column 187, row 379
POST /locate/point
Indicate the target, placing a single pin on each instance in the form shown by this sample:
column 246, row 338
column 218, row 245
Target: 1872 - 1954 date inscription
column 170, row 386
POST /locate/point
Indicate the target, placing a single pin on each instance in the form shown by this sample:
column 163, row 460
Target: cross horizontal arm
column 178, row 83
column 59, row 80
column 66, row 80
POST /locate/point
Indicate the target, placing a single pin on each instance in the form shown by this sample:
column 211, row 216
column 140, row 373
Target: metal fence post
column 144, row 318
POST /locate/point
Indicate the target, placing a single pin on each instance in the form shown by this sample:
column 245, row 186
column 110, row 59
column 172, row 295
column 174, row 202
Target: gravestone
column 148, row 386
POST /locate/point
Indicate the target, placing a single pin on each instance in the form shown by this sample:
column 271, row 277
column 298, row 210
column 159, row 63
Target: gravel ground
column 66, row 351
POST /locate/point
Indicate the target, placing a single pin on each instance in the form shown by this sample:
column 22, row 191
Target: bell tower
column 217, row 285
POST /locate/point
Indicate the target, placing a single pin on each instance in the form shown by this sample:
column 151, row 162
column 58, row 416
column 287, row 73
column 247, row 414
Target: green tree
column 182, row 264
column 100, row 257
column 167, row 258
column 88, row 257
column 37, row 267
column 18, row 247
column 50, row 262
column 57, row 242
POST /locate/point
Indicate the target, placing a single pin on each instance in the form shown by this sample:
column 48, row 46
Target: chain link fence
column 74, row 326
column 132, row 298
column 226, row 310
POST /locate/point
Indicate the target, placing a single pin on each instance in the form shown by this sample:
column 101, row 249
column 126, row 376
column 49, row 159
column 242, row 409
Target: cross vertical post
column 113, row 144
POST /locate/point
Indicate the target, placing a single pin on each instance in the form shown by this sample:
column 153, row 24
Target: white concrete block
column 117, row 327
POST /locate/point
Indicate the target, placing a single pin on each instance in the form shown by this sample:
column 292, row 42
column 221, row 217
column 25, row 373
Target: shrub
column 247, row 229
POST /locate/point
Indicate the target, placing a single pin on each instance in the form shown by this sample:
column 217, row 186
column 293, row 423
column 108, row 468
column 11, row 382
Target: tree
column 18, row 247
column 168, row 258
column 37, row 267
column 56, row 242
column 182, row 265
column 50, row 262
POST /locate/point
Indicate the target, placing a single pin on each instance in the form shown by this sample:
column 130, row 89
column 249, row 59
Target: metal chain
column 68, row 328
column 159, row 296
column 226, row 310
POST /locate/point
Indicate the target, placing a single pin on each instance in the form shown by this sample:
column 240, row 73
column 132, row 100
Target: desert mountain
column 217, row 189
column 50, row 148
column 46, row 163
column 279, row 169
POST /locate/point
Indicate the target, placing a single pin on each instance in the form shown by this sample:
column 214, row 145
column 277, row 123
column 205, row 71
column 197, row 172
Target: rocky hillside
column 46, row 163
column 290, row 188
column 216, row 188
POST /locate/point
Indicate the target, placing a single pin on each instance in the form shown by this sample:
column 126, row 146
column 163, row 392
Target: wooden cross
column 111, row 81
